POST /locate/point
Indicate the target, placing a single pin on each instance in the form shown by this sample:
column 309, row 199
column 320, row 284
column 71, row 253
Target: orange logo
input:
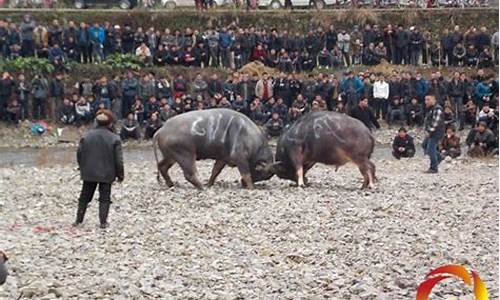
column 449, row 271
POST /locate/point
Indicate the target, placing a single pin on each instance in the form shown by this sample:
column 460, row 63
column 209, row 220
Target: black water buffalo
column 324, row 137
column 225, row 135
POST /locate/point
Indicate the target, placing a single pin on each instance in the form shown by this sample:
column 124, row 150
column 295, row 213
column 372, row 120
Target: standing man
column 3, row 269
column 380, row 97
column 101, row 162
column 434, row 127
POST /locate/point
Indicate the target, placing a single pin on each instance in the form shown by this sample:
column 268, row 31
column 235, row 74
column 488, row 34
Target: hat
column 104, row 117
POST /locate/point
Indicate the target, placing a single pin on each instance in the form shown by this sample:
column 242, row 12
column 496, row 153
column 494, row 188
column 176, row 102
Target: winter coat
column 100, row 156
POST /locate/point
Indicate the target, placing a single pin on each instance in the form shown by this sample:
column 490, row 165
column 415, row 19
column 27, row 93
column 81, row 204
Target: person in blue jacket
column 483, row 92
column 97, row 36
column 225, row 43
column 421, row 87
column 352, row 88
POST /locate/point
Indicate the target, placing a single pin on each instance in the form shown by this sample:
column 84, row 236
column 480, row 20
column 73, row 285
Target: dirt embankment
column 434, row 20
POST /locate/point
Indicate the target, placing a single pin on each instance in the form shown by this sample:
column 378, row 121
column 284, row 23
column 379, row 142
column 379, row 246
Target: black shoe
column 104, row 225
column 431, row 171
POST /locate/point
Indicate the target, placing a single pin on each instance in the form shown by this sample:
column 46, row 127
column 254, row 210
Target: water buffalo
column 225, row 135
column 324, row 137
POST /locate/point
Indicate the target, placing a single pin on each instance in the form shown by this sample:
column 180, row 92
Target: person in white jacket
column 380, row 96
column 343, row 42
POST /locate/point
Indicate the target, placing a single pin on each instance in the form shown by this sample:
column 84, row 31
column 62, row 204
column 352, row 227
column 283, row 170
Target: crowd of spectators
column 232, row 47
column 144, row 101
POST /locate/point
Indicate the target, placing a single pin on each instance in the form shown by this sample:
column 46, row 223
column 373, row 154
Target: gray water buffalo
column 225, row 135
column 324, row 137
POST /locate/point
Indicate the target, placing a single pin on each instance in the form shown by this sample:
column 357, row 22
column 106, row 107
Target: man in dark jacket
column 403, row 145
column 3, row 269
column 100, row 160
column 434, row 127
column 402, row 40
column 363, row 113
column 456, row 93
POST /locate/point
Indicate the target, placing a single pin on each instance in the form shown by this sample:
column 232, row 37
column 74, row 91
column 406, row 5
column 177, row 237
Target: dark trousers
column 379, row 107
column 27, row 48
column 39, row 108
column 407, row 153
column 127, row 102
column 86, row 195
column 84, row 53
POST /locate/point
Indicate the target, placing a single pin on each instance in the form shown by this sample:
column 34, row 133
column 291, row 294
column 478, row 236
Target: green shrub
column 124, row 62
column 31, row 65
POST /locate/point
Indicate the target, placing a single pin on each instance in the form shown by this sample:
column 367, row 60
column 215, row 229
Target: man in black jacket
column 434, row 127
column 403, row 145
column 363, row 113
column 3, row 269
column 100, row 160
column 456, row 92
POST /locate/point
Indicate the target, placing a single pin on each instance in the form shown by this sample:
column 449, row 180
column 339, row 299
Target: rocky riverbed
column 330, row 240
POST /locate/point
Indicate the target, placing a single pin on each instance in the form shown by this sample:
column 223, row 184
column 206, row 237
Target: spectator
column 380, row 96
column 363, row 113
column 138, row 110
column 40, row 91
column 27, row 28
column 7, row 86
column 67, row 112
column 414, row 113
column 239, row 105
column 22, row 92
column 97, row 36
column 450, row 144
column 481, row 141
column 403, row 145
column 396, row 111
column 488, row 116
column 144, row 54
column 13, row 112
column 274, row 125
column 130, row 128
column 166, row 113
column 153, row 124
column 3, row 269
column 264, row 87
column 83, row 112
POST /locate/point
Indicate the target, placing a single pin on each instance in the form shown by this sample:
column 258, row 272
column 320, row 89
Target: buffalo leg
column 296, row 157
column 372, row 169
column 307, row 168
column 367, row 171
column 164, row 166
column 246, row 179
column 188, row 167
column 218, row 166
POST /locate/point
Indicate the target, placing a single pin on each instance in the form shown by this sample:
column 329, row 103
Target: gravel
column 331, row 240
